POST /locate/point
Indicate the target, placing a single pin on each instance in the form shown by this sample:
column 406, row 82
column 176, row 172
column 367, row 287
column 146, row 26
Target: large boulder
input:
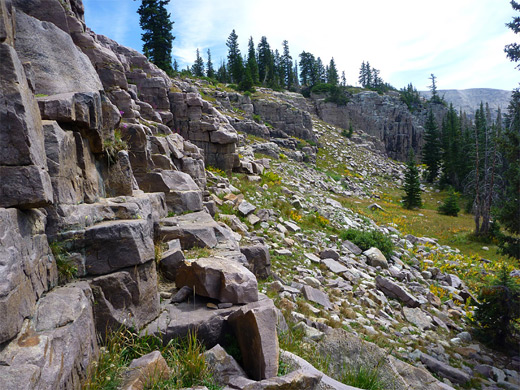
column 27, row 267
column 125, row 298
column 61, row 67
column 259, row 259
column 218, row 278
column 182, row 193
column 445, row 370
column 255, row 329
column 376, row 258
column 223, row 365
column 56, row 347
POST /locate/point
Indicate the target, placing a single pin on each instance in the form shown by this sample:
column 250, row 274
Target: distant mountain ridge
column 468, row 100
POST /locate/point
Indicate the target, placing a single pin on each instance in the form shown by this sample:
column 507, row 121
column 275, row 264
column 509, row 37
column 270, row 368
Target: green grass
column 184, row 357
column 363, row 377
column 368, row 239
column 67, row 270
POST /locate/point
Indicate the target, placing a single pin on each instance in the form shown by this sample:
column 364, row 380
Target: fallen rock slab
column 316, row 296
column 259, row 259
column 223, row 365
column 218, row 278
column 334, row 266
column 446, row 371
column 393, row 290
column 376, row 258
column 418, row 317
column 255, row 329
column 145, row 371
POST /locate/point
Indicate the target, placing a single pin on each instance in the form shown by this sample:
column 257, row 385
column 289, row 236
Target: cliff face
column 384, row 117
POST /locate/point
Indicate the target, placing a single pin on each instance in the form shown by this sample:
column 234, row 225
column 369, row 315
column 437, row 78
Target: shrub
column 450, row 205
column 368, row 239
column 498, row 309
column 67, row 270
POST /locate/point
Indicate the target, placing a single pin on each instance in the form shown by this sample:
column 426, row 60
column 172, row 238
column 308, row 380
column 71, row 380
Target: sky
column 460, row 41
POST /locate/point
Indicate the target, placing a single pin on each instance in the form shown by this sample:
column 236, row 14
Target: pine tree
column 431, row 153
column 320, row 70
column 295, row 74
column 363, row 75
column 264, row 60
column 343, row 79
column 198, row 67
column 235, row 62
column 252, row 63
column 210, row 71
column 175, row 66
column 435, row 98
column 412, row 185
column 157, row 36
column 513, row 50
column 509, row 213
column 332, row 73
column 286, row 67
column 222, row 74
column 307, row 69
column 450, row 205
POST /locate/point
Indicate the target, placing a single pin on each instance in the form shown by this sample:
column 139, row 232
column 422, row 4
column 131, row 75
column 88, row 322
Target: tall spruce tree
column 157, row 35
column 210, row 71
column 265, row 61
column 431, row 153
column 198, row 67
column 235, row 61
column 286, row 67
column 332, row 73
column 412, row 185
column 252, row 63
column 513, row 49
column 307, row 69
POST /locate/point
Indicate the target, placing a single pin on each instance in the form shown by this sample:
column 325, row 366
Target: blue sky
column 460, row 41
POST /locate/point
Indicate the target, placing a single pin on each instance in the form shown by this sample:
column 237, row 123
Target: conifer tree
column 198, row 67
column 157, row 35
column 210, row 71
column 363, row 75
column 235, row 61
column 222, row 74
column 431, row 153
column 307, row 69
column 265, row 61
column 412, row 185
column 343, row 79
column 513, row 49
column 450, row 205
column 320, row 71
column 175, row 66
column 295, row 74
column 332, row 73
column 252, row 63
column 286, row 66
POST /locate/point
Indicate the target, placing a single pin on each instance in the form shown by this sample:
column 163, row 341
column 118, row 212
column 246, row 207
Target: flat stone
column 316, row 296
column 183, row 294
column 334, row 266
column 223, row 365
column 171, row 259
column 292, row 226
column 417, row 317
column 352, row 247
column 329, row 254
column 393, row 290
column 147, row 369
column 312, row 257
column 446, row 371
column 245, row 208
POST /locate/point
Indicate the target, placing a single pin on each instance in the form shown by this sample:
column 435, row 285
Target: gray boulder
column 126, row 298
column 446, row 371
column 316, row 296
column 57, row 345
column 223, row 365
column 171, row 260
column 255, row 329
column 145, row 370
column 376, row 258
column 218, row 278
column 259, row 259
column 393, row 290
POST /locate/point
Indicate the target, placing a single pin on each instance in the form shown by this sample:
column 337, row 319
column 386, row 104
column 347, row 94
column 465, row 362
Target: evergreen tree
column 175, row 66
column 332, row 73
column 198, row 67
column 265, row 61
column 307, row 69
column 157, row 33
column 210, row 71
column 509, row 213
column 369, row 76
column 222, row 74
column 513, row 50
column 431, row 153
column 320, row 71
column 411, row 97
column 286, row 67
column 363, row 75
column 435, row 98
column 412, row 185
column 450, row 205
column 235, row 62
column 343, row 79
column 252, row 63
column 295, row 74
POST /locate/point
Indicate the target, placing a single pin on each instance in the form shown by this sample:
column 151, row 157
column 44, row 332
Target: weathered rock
column 145, row 371
column 183, row 294
column 329, row 254
column 125, row 298
column 417, row 317
column 393, row 290
column 27, row 268
column 446, row 371
column 245, row 208
column 259, row 258
column 171, row 260
column 220, row 279
column 60, row 65
column 316, row 296
column 58, row 343
column 222, row 365
column 255, row 330
column 112, row 245
column 376, row 258
column 334, row 266
column 182, row 193
column 295, row 380
column 178, row 320
column 352, row 247
column 196, row 230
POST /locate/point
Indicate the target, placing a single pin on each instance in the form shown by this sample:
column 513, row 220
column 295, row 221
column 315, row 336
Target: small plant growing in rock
column 113, row 146
column 368, row 239
column 67, row 270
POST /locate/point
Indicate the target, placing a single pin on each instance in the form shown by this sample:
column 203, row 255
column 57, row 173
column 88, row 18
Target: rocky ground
column 133, row 202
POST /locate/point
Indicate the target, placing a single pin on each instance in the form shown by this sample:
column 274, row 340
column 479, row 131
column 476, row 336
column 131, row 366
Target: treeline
column 268, row 67
column 479, row 159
